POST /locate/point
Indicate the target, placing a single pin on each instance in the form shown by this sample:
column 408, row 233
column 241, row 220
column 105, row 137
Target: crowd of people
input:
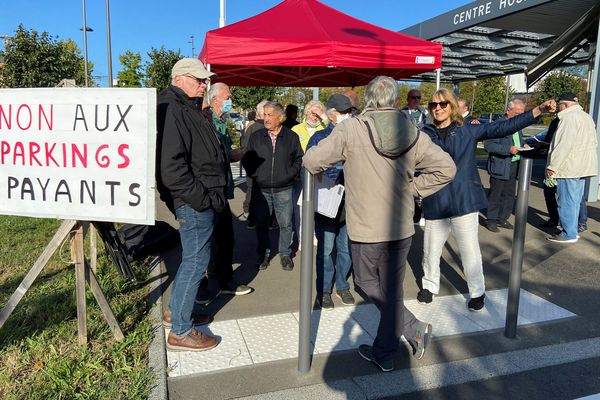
column 391, row 162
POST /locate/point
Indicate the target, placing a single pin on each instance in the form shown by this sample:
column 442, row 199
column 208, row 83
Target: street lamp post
column 222, row 14
column 85, row 30
column 110, row 77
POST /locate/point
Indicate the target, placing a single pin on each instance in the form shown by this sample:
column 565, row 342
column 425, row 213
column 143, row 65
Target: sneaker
column 346, row 297
column 324, row 301
column 476, row 303
column 420, row 342
column 581, row 229
column 251, row 225
column 263, row 263
column 366, row 352
column 561, row 239
column 193, row 341
column 197, row 319
column 491, row 226
column 424, row 296
column 236, row 289
column 506, row 225
column 286, row 263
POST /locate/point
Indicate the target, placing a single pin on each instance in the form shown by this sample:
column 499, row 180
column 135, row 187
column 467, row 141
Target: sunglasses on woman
column 433, row 104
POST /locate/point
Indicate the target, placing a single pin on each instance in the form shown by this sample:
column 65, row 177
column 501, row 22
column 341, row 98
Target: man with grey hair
column 572, row 157
column 191, row 179
column 502, row 165
column 382, row 150
column 273, row 159
column 221, row 268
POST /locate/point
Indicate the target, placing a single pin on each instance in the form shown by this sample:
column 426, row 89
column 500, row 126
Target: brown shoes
column 193, row 341
column 197, row 319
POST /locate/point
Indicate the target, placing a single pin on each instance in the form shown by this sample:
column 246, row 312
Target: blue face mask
column 226, row 107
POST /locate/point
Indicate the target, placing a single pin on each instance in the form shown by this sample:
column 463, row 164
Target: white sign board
column 84, row 154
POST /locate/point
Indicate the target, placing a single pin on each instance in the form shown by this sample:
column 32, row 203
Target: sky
column 140, row 25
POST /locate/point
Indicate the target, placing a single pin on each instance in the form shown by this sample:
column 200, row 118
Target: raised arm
column 328, row 152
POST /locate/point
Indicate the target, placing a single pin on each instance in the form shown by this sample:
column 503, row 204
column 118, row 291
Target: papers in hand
column 328, row 200
column 525, row 148
column 328, row 197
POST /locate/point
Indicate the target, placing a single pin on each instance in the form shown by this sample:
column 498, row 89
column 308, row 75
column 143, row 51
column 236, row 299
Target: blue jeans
column 569, row 194
column 550, row 197
column 195, row 230
column 263, row 204
column 330, row 238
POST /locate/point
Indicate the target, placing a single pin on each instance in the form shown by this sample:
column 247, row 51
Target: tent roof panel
column 319, row 37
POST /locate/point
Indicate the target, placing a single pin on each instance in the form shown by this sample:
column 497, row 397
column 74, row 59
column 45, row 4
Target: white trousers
column 465, row 231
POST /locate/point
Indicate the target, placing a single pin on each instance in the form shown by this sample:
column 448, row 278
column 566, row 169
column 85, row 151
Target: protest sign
column 83, row 154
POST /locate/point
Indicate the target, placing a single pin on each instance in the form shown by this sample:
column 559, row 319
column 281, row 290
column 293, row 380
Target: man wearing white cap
column 192, row 180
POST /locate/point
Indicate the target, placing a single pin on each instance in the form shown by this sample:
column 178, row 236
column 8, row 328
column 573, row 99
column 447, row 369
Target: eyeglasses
column 205, row 81
column 443, row 104
column 414, row 97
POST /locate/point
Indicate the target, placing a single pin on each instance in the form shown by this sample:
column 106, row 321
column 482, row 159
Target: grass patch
column 39, row 354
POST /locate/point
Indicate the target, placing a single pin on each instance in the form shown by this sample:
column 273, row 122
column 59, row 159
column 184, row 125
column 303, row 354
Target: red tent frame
column 307, row 43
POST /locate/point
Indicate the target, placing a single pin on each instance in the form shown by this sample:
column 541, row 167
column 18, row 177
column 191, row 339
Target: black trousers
column 501, row 197
column 223, row 242
column 379, row 271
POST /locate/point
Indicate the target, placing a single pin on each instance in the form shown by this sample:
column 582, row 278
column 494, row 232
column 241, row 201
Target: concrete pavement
column 456, row 366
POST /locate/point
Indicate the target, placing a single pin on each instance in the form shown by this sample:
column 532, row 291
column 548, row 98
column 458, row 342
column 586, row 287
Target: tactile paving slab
column 275, row 337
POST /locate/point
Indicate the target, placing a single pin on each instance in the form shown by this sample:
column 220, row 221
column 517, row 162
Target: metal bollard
column 306, row 270
column 516, row 261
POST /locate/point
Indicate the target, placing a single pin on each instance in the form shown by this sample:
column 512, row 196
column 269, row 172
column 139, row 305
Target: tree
column 490, row 95
column 131, row 74
column 247, row 97
column 559, row 82
column 33, row 59
column 294, row 95
column 158, row 69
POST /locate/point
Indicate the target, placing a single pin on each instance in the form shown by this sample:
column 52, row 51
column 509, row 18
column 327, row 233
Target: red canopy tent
column 307, row 43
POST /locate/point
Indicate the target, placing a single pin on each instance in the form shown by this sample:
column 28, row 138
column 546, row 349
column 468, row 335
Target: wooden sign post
column 77, row 154
column 75, row 231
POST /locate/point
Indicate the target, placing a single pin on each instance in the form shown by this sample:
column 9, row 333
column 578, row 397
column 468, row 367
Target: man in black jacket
column 191, row 178
column 273, row 159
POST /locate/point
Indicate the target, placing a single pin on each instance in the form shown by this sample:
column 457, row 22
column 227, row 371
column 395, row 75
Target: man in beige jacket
column 572, row 157
column 381, row 150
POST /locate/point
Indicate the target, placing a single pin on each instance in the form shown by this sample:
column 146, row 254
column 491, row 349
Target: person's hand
column 237, row 154
column 548, row 106
column 549, row 172
column 513, row 150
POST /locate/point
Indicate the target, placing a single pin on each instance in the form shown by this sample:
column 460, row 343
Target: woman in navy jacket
column 456, row 207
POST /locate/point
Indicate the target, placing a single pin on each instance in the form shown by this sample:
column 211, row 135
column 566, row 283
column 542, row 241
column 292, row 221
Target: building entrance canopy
column 499, row 37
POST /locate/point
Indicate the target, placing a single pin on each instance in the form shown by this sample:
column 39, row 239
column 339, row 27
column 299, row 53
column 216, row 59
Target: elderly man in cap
column 333, row 247
column 572, row 157
column 191, row 177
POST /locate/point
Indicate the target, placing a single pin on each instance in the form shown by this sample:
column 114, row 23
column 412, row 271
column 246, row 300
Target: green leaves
column 559, row 82
column 34, row 59
column 158, row 69
column 131, row 74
